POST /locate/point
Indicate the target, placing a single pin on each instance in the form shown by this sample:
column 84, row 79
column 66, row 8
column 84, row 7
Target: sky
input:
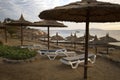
column 31, row 9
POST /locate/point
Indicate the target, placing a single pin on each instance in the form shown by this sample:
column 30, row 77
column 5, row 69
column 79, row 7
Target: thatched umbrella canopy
column 48, row 24
column 75, row 40
column 106, row 39
column 84, row 11
column 57, row 37
column 82, row 38
column 68, row 38
column 89, row 36
column 21, row 22
column 96, row 42
column 71, row 38
column 2, row 26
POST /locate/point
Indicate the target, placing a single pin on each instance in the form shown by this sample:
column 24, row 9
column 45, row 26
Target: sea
column 100, row 33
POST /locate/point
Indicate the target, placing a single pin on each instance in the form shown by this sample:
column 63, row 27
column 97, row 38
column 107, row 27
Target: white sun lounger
column 52, row 54
column 76, row 60
column 44, row 52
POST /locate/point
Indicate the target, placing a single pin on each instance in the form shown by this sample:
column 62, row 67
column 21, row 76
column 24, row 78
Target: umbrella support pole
column 86, row 44
column 96, row 50
column 21, row 35
column 48, row 37
column 57, row 42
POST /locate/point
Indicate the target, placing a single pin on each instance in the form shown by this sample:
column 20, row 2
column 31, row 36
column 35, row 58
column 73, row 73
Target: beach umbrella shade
column 89, row 36
column 57, row 37
column 106, row 39
column 84, row 11
column 75, row 38
column 96, row 42
column 95, row 39
column 68, row 38
column 72, row 38
column 3, row 26
column 48, row 24
column 82, row 38
column 21, row 22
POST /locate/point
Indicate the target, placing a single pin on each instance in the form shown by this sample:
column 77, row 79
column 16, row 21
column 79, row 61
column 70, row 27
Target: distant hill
column 96, row 29
column 75, row 30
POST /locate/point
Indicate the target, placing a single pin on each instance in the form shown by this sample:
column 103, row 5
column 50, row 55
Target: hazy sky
column 31, row 9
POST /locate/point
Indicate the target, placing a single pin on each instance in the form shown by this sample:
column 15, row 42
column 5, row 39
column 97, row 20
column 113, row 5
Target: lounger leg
column 74, row 65
column 92, row 60
column 51, row 57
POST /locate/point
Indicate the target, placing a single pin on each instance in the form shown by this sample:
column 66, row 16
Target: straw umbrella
column 21, row 22
column 84, row 11
column 48, row 24
column 2, row 26
column 96, row 42
column 82, row 38
column 75, row 38
column 89, row 36
column 69, row 38
column 72, row 38
column 106, row 39
column 57, row 37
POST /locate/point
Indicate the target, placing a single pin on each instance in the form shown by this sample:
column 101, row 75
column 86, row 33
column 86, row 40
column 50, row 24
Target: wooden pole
column 86, row 43
column 107, row 49
column 96, row 49
column 21, row 35
column 57, row 42
column 57, row 38
column 48, row 37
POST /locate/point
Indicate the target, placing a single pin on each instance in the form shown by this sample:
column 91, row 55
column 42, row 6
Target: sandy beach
column 44, row 69
column 87, row 48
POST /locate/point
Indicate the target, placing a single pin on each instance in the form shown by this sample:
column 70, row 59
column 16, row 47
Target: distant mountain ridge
column 75, row 30
column 96, row 29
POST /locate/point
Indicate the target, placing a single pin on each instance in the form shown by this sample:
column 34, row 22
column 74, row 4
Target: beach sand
column 44, row 69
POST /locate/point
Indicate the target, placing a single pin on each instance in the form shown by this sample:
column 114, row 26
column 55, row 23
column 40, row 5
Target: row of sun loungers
column 68, row 57
column 52, row 54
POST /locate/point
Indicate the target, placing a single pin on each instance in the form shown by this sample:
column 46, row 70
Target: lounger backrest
column 78, row 57
column 61, row 51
